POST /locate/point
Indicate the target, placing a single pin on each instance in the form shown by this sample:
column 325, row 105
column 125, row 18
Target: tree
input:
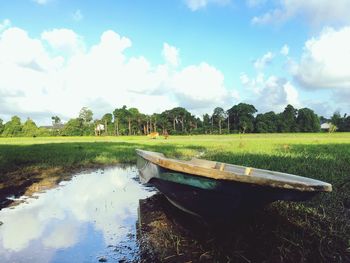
column 324, row 119
column 2, row 126
column 308, row 121
column 218, row 116
column 287, row 119
column 107, row 121
column 342, row 123
column 346, row 123
column 29, row 128
column 107, row 118
column 339, row 121
column 228, row 120
column 74, row 127
column 86, row 115
column 55, row 120
column 239, row 118
column 120, row 120
column 13, row 127
column 198, row 125
column 206, row 123
column 266, row 122
column 163, row 120
column 243, row 117
column 56, row 124
column 133, row 116
column 180, row 116
column 116, row 115
column 192, row 123
column 128, row 116
column 139, row 119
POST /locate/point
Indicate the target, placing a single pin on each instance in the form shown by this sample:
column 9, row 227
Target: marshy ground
column 313, row 231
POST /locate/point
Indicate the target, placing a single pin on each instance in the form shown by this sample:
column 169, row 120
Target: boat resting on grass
column 218, row 190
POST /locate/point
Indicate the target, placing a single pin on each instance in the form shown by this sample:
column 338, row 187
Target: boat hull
column 211, row 198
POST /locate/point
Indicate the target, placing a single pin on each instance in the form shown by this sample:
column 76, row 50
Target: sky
column 57, row 56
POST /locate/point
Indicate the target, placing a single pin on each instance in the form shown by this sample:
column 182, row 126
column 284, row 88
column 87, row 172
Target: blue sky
column 155, row 55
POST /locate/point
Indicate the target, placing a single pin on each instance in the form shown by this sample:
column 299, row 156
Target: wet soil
column 166, row 234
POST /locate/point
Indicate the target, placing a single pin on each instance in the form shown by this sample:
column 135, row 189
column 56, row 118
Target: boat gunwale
column 217, row 174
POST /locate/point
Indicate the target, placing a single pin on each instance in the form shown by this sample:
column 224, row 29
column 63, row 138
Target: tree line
column 240, row 118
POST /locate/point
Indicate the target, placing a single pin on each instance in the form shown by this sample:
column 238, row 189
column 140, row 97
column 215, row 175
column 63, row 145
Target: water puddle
column 90, row 218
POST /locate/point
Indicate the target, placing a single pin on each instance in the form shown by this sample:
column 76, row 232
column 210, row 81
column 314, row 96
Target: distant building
column 99, row 129
column 325, row 126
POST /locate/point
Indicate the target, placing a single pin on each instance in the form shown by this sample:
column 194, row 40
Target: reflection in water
column 91, row 215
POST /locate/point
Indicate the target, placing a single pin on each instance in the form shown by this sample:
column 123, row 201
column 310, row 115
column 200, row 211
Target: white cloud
column 200, row 87
column 285, row 50
column 272, row 93
column 195, row 5
column 325, row 62
column 5, row 24
column 41, row 2
column 64, row 40
column 325, row 65
column 59, row 74
column 273, row 16
column 292, row 95
column 78, row 15
column 262, row 62
column 255, row 3
column 253, row 84
column 315, row 11
column 14, row 56
column 171, row 54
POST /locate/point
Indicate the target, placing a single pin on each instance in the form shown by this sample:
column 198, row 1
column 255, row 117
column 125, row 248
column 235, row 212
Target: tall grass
column 317, row 230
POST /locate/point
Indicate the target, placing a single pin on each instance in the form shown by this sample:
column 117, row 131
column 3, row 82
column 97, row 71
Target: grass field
column 317, row 230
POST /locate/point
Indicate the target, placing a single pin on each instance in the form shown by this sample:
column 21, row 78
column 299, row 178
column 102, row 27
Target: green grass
column 317, row 230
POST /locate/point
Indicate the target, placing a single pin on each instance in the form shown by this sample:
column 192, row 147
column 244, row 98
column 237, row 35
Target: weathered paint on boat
column 217, row 194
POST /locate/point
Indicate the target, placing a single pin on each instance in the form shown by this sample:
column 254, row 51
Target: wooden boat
column 218, row 190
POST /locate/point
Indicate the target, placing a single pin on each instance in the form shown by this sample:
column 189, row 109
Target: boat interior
column 219, row 170
column 248, row 171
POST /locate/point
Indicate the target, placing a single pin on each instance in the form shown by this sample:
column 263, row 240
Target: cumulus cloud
column 273, row 93
column 200, row 87
column 5, row 24
column 285, row 50
column 58, row 74
column 171, row 54
column 19, row 51
column 253, row 84
column 315, row 11
column 195, row 5
column 64, row 40
column 325, row 62
column 262, row 62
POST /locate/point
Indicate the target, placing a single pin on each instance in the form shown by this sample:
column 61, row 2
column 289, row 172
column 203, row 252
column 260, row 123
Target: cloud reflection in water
column 78, row 220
